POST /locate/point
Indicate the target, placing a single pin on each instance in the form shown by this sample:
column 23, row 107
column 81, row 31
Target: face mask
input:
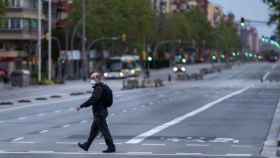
column 92, row 82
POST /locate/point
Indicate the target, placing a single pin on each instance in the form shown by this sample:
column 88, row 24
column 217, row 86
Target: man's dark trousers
column 100, row 125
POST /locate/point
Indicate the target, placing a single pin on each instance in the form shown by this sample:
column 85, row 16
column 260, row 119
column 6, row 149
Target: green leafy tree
column 275, row 15
column 2, row 7
column 107, row 18
column 225, row 37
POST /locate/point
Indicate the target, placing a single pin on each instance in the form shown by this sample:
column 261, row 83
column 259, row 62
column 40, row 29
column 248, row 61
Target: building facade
column 19, row 31
column 174, row 6
column 18, row 34
column 215, row 14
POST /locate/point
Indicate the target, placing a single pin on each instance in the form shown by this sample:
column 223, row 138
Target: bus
column 122, row 67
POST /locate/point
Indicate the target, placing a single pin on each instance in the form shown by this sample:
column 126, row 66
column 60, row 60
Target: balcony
column 29, row 13
column 18, row 34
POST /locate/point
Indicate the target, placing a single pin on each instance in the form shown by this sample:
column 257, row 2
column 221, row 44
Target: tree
column 275, row 16
column 226, row 38
column 2, row 7
column 107, row 18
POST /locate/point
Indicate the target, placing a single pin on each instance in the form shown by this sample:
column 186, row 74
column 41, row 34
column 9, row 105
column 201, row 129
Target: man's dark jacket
column 97, row 101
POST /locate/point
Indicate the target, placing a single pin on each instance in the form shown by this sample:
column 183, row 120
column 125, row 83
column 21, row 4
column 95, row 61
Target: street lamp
column 39, row 44
column 50, row 40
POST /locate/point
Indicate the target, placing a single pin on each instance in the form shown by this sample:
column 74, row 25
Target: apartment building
column 19, row 31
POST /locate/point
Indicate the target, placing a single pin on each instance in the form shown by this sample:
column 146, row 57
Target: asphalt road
column 228, row 114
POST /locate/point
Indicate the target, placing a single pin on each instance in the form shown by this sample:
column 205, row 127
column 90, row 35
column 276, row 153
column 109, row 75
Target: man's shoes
column 109, row 150
column 83, row 146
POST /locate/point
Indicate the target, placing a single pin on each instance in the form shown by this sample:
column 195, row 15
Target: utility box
column 20, row 78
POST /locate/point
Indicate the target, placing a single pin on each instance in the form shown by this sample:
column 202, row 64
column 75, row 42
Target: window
column 15, row 3
column 15, row 23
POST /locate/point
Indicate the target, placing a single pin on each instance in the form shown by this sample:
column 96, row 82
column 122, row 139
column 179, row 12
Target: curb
column 272, row 144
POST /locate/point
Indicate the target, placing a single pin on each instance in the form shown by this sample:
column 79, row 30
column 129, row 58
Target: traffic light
column 242, row 22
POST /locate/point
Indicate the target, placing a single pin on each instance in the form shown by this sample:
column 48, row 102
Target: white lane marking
column 179, row 119
column 66, row 126
column 71, row 109
column 140, row 153
column 57, row 111
column 197, row 145
column 268, row 73
column 239, row 155
column 120, row 143
column 41, row 114
column 153, row 144
column 2, row 122
column 242, row 146
column 18, row 139
column 46, row 151
column 23, row 142
column 189, row 154
column 265, row 76
column 22, row 118
column 67, row 143
column 44, row 131
column 83, row 121
column 124, row 154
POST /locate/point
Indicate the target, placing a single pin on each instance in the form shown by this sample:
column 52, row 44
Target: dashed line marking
column 23, row 142
column 22, row 118
column 43, row 151
column 238, row 155
column 44, row 131
column 41, row 114
column 57, row 111
column 139, row 153
column 71, row 109
column 265, row 76
column 188, row 154
column 66, row 126
column 153, row 144
column 242, row 146
column 120, row 143
column 83, row 121
column 18, row 139
column 67, row 143
column 197, row 145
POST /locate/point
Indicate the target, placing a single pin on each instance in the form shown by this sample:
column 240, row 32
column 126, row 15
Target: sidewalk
column 9, row 93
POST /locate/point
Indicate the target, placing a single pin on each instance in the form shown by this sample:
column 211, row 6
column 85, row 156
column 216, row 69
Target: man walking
column 99, row 101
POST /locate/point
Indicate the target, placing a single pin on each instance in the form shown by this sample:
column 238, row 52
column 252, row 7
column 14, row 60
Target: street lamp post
column 84, row 55
column 39, row 44
column 50, row 40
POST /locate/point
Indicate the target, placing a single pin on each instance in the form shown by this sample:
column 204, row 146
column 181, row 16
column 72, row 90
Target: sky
column 249, row 9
